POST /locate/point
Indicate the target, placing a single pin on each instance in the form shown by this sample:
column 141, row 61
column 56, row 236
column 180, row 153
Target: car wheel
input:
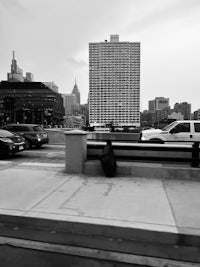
column 28, row 144
column 11, row 154
column 156, row 141
column 38, row 146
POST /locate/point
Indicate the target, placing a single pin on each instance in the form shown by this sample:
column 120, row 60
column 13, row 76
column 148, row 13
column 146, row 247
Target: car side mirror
column 174, row 130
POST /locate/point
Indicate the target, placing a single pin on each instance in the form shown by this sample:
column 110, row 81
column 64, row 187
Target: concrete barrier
column 56, row 136
column 81, row 145
column 31, row 241
column 75, row 151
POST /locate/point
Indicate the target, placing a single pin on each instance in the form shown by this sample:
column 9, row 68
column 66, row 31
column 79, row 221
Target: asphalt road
column 45, row 154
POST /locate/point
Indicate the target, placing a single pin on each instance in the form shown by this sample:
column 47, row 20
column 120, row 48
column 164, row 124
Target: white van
column 186, row 130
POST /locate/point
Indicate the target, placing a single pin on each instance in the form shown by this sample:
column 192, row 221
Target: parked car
column 186, row 130
column 34, row 134
column 11, row 143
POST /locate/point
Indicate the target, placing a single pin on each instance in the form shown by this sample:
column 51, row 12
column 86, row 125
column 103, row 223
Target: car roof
column 187, row 121
column 21, row 124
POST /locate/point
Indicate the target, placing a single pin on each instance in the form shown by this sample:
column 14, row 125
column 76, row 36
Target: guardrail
column 151, row 151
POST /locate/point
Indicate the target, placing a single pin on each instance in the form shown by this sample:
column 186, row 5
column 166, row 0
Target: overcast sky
column 51, row 40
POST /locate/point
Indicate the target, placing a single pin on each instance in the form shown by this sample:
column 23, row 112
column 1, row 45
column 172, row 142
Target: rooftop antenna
column 13, row 54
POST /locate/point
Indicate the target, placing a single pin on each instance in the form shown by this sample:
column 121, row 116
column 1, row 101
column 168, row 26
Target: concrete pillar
column 75, row 151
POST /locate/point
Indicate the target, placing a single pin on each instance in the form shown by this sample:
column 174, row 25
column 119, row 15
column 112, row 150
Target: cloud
column 14, row 7
column 159, row 12
column 74, row 63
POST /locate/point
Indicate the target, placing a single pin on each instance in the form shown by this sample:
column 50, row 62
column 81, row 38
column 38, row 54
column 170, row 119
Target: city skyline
column 53, row 45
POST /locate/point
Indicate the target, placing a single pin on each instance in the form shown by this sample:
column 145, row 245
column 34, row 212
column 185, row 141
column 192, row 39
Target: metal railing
column 125, row 150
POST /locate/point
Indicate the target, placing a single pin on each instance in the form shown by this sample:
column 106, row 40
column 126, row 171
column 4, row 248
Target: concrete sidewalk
column 143, row 216
column 39, row 190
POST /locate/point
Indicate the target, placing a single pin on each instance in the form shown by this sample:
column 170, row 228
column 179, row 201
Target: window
column 37, row 129
column 21, row 128
column 183, row 127
column 197, row 127
column 4, row 133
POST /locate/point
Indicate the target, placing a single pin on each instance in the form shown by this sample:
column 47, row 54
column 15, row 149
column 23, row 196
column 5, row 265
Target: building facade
column 161, row 103
column 184, row 108
column 69, row 104
column 30, row 102
column 114, row 83
column 196, row 115
column 152, row 108
column 52, row 86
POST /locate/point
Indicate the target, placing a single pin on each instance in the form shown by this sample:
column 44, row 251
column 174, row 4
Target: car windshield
column 4, row 133
column 37, row 129
column 168, row 127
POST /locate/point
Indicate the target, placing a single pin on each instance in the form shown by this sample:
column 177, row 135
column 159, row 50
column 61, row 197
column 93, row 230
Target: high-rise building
column 76, row 92
column 114, row 83
column 16, row 74
column 184, row 108
column 69, row 103
column 152, row 107
column 29, row 77
column 161, row 103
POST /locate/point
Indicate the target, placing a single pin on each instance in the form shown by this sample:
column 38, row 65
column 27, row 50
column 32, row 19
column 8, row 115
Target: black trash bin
column 108, row 161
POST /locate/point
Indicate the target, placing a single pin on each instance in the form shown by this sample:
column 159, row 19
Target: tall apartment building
column 114, row 83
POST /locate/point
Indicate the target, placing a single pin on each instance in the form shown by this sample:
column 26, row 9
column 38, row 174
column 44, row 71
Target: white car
column 187, row 130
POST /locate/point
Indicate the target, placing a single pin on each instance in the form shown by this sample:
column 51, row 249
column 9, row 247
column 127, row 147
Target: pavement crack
column 109, row 189
column 110, row 186
column 171, row 207
column 74, row 194
column 45, row 197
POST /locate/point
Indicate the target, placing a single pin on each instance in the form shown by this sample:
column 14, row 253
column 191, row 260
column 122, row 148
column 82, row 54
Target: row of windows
column 185, row 127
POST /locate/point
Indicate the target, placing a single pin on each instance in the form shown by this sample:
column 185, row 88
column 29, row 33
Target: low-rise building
column 30, row 102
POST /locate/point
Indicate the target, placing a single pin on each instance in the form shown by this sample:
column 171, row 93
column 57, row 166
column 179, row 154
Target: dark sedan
column 34, row 134
column 11, row 143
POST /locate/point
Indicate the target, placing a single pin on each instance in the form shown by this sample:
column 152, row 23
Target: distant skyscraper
column 69, row 103
column 29, row 77
column 16, row 74
column 184, row 108
column 114, row 83
column 161, row 103
column 76, row 92
column 152, row 108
